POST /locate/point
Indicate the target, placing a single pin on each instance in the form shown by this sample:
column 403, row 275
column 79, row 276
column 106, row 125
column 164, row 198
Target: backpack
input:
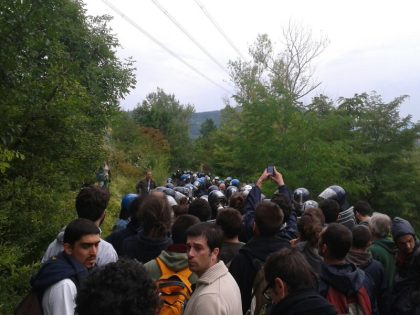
column 30, row 305
column 259, row 304
column 174, row 289
column 356, row 304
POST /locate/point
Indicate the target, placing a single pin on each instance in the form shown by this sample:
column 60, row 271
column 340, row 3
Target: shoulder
column 106, row 253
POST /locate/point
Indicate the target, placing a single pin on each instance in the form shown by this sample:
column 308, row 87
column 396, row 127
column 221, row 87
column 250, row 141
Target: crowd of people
column 203, row 245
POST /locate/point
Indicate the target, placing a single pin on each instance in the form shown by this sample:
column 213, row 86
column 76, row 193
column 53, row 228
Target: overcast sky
column 374, row 45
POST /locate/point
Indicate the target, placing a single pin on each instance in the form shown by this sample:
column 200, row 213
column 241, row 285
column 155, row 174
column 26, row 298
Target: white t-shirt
column 59, row 299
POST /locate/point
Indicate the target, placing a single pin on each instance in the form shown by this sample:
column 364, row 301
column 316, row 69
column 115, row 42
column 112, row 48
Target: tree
column 207, row 127
column 287, row 72
column 162, row 111
column 60, row 83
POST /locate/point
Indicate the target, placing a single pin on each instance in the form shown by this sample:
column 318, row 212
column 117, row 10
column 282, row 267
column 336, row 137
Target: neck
column 232, row 240
column 359, row 250
column 333, row 261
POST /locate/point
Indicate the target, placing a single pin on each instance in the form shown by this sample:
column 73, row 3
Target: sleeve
column 59, row 299
column 253, row 198
column 244, row 277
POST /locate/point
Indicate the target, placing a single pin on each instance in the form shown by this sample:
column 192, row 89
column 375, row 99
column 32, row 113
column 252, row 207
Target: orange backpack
column 174, row 289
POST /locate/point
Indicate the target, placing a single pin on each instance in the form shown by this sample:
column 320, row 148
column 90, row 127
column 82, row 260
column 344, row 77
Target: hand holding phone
column 270, row 170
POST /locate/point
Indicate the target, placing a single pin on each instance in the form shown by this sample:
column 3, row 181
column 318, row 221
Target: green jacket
column 173, row 260
column 384, row 251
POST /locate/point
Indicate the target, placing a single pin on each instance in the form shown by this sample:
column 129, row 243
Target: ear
column 281, row 287
column 68, row 249
column 216, row 252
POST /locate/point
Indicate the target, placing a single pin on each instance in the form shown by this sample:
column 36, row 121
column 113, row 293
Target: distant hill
column 198, row 118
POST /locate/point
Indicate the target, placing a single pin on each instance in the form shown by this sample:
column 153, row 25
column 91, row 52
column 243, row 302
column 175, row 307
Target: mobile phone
column 270, row 170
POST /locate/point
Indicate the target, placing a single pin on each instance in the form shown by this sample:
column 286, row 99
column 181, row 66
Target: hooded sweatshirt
column 175, row 258
column 346, row 278
column 383, row 250
column 406, row 290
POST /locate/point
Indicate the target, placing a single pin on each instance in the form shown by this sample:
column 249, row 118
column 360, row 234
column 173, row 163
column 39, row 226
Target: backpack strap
column 167, row 273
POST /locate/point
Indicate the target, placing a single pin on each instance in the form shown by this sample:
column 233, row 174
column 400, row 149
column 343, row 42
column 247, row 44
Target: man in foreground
column 216, row 291
column 58, row 279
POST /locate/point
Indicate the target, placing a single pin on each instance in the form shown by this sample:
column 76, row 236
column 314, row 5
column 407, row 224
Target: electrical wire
column 172, row 53
column 189, row 35
column 219, row 28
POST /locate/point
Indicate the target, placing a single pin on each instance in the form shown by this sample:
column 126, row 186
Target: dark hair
column 122, row 287
column 181, row 224
column 361, row 236
column 315, row 212
column 309, row 228
column 338, row 239
column 230, row 220
column 210, row 231
column 134, row 209
column 289, row 265
column 284, row 203
column 201, row 209
column 268, row 218
column 237, row 201
column 91, row 202
column 363, row 207
column 78, row 228
column 156, row 216
column 331, row 209
column 180, row 210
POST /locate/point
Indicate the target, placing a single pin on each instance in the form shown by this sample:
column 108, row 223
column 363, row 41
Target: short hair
column 309, row 228
column 180, row 210
column 315, row 212
column 156, row 216
column 290, row 266
column 122, row 287
column 78, row 228
column 201, row 209
column 268, row 218
column 331, row 209
column 230, row 220
column 181, row 224
column 361, row 236
column 285, row 205
column 338, row 239
column 91, row 202
column 380, row 225
column 237, row 201
column 210, row 231
column 362, row 207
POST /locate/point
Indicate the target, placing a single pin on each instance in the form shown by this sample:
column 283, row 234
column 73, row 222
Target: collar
column 213, row 273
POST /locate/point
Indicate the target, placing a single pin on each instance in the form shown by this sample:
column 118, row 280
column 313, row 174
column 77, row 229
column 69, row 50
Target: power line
column 189, row 35
column 219, row 28
column 126, row 18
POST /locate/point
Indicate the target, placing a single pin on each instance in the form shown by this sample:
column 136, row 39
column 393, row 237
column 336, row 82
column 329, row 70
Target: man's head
column 230, row 220
column 380, row 225
column 362, row 237
column 268, row 218
column 81, row 240
column 331, row 209
column 335, row 242
column 403, row 235
column 287, row 271
column 204, row 241
column 123, row 287
column 149, row 175
column 91, row 203
column 201, row 209
column 362, row 210
column 180, row 226
column 156, row 215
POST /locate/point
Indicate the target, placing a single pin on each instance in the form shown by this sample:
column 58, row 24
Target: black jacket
column 303, row 302
column 116, row 238
column 144, row 248
column 244, row 270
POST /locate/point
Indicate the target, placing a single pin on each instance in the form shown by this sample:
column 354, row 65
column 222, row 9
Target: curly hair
column 123, row 287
